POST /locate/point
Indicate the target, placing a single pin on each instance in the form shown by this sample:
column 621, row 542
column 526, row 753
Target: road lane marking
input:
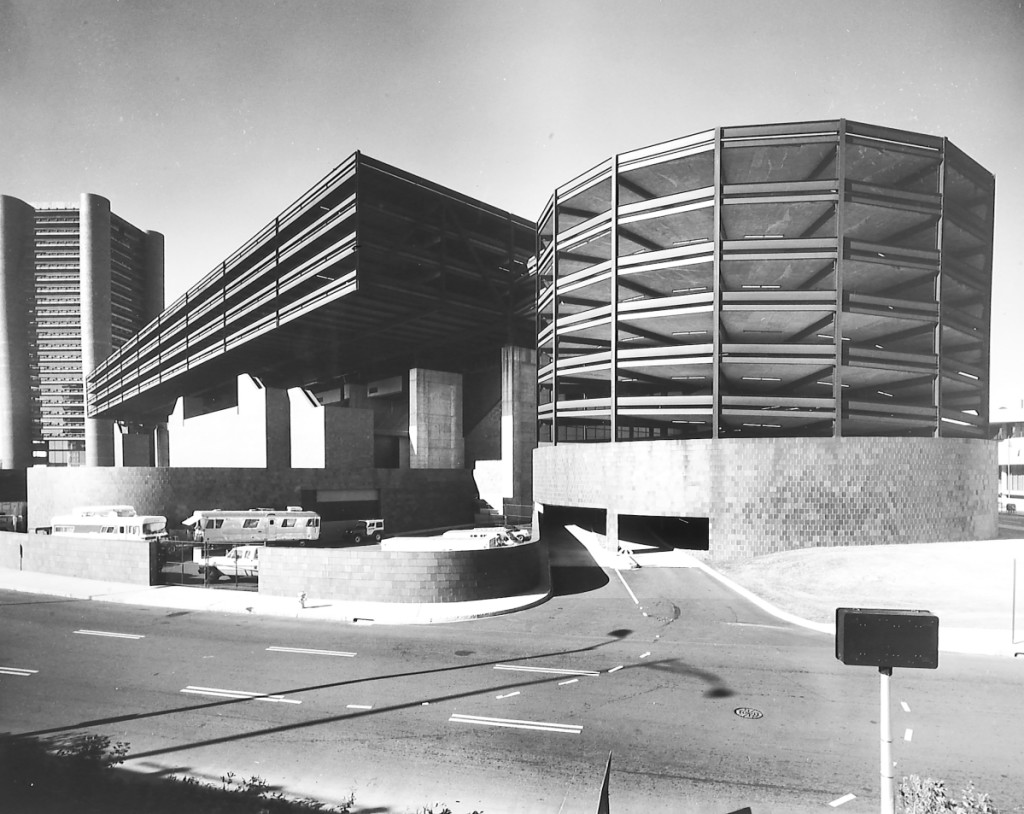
column 841, row 800
column 359, row 706
column 908, row 735
column 645, row 655
column 905, row 705
column 615, row 669
column 630, row 590
column 109, row 634
column 310, row 651
column 756, row 624
column 507, row 695
column 17, row 671
column 240, row 694
column 570, row 681
column 509, row 723
column 554, row 670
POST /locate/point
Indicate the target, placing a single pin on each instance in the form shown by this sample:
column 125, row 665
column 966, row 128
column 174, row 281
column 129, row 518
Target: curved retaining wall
column 774, row 494
column 371, row 575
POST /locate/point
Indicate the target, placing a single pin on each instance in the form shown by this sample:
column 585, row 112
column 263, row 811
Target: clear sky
column 203, row 119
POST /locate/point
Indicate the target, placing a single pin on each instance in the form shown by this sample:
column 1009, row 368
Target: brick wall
column 774, row 494
column 110, row 560
column 402, row 576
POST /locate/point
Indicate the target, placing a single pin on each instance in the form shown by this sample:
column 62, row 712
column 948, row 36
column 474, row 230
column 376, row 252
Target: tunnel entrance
column 689, row 533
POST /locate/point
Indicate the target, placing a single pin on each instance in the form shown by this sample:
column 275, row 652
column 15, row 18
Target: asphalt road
column 516, row 713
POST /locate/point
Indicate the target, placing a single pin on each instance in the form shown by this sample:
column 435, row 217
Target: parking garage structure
column 780, row 329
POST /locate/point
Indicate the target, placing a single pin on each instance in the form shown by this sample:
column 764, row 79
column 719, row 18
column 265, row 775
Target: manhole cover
column 748, row 713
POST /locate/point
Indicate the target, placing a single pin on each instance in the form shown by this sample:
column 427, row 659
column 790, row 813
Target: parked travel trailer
column 259, row 526
column 113, row 522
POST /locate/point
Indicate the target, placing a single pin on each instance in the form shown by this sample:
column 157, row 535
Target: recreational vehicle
column 255, row 526
column 112, row 522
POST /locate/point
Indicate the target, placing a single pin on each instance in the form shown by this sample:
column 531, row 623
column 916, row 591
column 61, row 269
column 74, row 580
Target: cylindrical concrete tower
column 17, row 266
column 96, row 341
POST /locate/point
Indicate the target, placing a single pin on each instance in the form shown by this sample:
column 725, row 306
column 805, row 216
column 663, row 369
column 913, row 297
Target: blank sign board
column 887, row 638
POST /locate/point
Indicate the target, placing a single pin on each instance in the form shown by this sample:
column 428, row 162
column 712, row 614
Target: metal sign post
column 887, row 638
column 888, row 786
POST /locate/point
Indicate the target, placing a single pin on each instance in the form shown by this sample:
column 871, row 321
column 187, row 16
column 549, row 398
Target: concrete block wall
column 10, row 550
column 415, row 499
column 402, row 576
column 110, row 560
column 775, row 494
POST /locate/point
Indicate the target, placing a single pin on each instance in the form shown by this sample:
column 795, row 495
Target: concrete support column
column 17, row 274
column 435, row 420
column 95, row 304
column 278, row 428
column 161, row 446
column 612, row 531
column 519, row 427
column 153, row 275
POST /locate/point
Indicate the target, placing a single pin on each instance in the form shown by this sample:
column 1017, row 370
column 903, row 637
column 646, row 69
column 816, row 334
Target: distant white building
column 1009, row 425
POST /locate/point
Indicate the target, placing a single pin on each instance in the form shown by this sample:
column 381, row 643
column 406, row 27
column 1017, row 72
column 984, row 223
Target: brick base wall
column 403, row 576
column 10, row 550
column 109, row 560
column 774, row 494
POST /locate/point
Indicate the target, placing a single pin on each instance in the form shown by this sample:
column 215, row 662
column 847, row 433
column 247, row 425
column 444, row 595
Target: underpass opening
column 689, row 533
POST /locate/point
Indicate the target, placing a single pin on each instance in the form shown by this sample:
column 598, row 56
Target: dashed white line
column 507, row 695
column 240, row 694
column 554, row 670
column 509, row 723
column 359, row 706
column 17, row 671
column 908, row 735
column 615, row 669
column 570, row 681
column 905, row 705
column 841, row 800
column 109, row 634
column 310, row 651
column 630, row 590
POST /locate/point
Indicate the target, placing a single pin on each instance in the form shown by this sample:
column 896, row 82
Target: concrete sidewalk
column 229, row 600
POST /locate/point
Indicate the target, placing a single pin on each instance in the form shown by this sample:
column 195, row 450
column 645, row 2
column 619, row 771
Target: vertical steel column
column 937, row 289
column 554, row 319
column 837, row 376
column 614, row 287
column 716, row 308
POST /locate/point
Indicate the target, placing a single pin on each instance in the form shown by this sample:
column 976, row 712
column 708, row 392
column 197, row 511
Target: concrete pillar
column 435, row 420
column 278, row 428
column 611, row 532
column 519, row 427
column 161, row 445
column 94, row 258
column 17, row 276
column 153, row 275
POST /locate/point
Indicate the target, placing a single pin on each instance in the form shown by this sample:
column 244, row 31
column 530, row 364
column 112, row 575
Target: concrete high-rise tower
column 76, row 282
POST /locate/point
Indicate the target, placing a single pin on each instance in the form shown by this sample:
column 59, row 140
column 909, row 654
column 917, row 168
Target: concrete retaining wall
column 774, row 494
column 403, row 576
